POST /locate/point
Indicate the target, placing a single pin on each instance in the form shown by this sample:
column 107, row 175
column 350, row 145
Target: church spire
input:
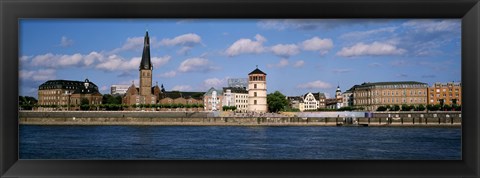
column 146, row 64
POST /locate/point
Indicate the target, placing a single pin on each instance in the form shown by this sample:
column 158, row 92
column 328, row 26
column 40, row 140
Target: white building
column 119, row 89
column 313, row 101
column 212, row 100
column 347, row 98
column 236, row 96
column 257, row 91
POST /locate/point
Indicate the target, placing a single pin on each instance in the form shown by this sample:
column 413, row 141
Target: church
column 148, row 94
column 145, row 93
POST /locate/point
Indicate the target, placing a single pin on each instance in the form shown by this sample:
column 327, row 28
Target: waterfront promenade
column 170, row 118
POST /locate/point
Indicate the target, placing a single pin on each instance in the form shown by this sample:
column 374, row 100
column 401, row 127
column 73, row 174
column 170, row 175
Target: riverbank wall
column 411, row 119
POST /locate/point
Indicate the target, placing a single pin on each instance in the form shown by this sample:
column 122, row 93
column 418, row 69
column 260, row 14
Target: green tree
column 276, row 101
column 395, row 107
column 381, row 108
column 84, row 104
column 420, row 108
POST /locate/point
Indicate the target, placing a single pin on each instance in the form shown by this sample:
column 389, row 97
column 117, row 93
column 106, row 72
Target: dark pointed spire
column 146, row 64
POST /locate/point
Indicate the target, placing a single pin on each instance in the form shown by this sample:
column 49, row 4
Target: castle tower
column 338, row 93
column 339, row 97
column 257, row 91
column 146, row 69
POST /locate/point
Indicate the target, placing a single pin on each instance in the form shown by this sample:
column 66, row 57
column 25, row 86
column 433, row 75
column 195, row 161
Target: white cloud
column 169, row 74
column 117, row 63
column 65, row 42
column 364, row 34
column 214, row 82
column 317, row 44
column 136, row 44
column 92, row 57
column 375, row 64
column 315, row 85
column 281, row 63
column 189, row 39
column 159, row 61
column 341, row 70
column 56, row 60
column 427, row 25
column 25, row 58
column 104, row 88
column 285, row 50
column 247, row 46
column 299, row 63
column 196, row 65
column 373, row 49
column 37, row 75
column 182, row 88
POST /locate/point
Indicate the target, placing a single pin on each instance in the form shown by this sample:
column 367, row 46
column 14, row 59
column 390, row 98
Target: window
column 255, row 102
column 255, row 94
column 254, row 85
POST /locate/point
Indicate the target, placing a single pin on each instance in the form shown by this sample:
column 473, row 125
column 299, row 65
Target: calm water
column 221, row 142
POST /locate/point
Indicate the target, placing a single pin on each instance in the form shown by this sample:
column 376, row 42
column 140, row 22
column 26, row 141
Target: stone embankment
column 422, row 119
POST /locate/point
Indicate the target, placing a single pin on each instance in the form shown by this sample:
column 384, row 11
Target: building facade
column 347, row 98
column 67, row 94
column 119, row 89
column 296, row 102
column 313, row 101
column 145, row 93
column 257, row 91
column 372, row 95
column 236, row 96
column 212, row 100
column 445, row 93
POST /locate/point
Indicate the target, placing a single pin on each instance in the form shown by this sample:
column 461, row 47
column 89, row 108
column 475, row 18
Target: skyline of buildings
column 190, row 55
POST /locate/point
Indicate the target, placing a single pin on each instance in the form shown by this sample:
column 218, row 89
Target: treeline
column 421, row 107
column 27, row 102
column 114, row 103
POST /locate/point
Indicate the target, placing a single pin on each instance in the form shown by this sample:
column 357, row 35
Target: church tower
column 146, row 69
column 257, row 91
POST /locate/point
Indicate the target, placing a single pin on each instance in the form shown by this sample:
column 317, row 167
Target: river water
column 238, row 143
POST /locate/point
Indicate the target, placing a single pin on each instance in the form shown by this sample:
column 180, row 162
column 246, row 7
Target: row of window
column 390, row 100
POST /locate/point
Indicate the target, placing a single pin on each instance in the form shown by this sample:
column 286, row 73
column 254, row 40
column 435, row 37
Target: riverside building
column 67, row 94
column 445, row 93
column 236, row 96
column 257, row 91
column 372, row 95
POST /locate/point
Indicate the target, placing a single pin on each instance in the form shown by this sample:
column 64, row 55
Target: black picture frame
column 11, row 11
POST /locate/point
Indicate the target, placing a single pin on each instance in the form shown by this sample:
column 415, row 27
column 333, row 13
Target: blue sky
column 299, row 56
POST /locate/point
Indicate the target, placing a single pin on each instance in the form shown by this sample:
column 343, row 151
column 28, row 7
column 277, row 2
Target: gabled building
column 296, row 102
column 212, row 100
column 314, row 101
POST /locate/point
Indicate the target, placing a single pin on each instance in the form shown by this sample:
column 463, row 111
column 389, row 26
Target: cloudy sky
column 193, row 55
